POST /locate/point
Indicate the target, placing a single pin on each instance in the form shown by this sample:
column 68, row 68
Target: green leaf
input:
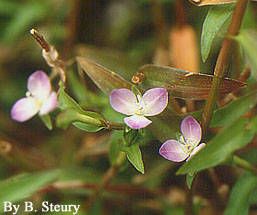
column 105, row 79
column 181, row 83
column 87, row 120
column 230, row 113
column 115, row 143
column 65, row 101
column 239, row 200
column 135, row 157
column 233, row 137
column 46, row 119
column 247, row 40
column 190, row 179
column 23, row 186
column 215, row 19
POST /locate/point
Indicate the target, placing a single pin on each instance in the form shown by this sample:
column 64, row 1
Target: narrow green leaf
column 233, row 137
column 87, row 121
column 239, row 200
column 230, row 113
column 105, row 79
column 215, row 19
column 46, row 119
column 248, row 41
column 23, row 186
column 135, row 157
column 181, row 83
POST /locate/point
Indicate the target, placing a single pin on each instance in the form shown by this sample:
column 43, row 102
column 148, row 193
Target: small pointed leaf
column 135, row 157
column 46, row 119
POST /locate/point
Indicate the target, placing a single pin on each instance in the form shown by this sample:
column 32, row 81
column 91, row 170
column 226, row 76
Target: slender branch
column 108, row 176
column 50, row 55
column 114, row 125
column 222, row 61
column 244, row 164
column 126, row 189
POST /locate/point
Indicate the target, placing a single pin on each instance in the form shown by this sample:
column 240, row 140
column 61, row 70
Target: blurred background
column 121, row 35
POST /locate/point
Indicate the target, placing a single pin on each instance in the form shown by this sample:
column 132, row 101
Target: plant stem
column 114, row 126
column 244, row 164
column 222, row 61
column 108, row 176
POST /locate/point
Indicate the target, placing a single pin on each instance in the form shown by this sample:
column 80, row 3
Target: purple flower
column 153, row 102
column 188, row 143
column 39, row 98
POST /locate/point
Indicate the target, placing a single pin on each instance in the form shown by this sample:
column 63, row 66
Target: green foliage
column 221, row 146
column 73, row 114
column 230, row 113
column 213, row 23
column 247, row 40
column 46, row 119
column 189, row 179
column 23, row 186
column 132, row 136
column 135, row 157
column 239, row 200
column 115, row 143
column 65, row 101
column 88, row 121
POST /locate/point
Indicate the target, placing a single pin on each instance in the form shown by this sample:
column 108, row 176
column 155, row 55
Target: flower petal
column 196, row 149
column 39, row 85
column 24, row 109
column 155, row 100
column 123, row 101
column 49, row 104
column 137, row 122
column 173, row 150
column 191, row 130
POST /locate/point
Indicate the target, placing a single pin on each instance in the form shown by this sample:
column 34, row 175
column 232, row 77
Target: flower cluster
column 39, row 99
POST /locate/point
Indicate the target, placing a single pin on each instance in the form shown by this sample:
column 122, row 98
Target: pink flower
column 188, row 143
column 153, row 102
column 39, row 98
